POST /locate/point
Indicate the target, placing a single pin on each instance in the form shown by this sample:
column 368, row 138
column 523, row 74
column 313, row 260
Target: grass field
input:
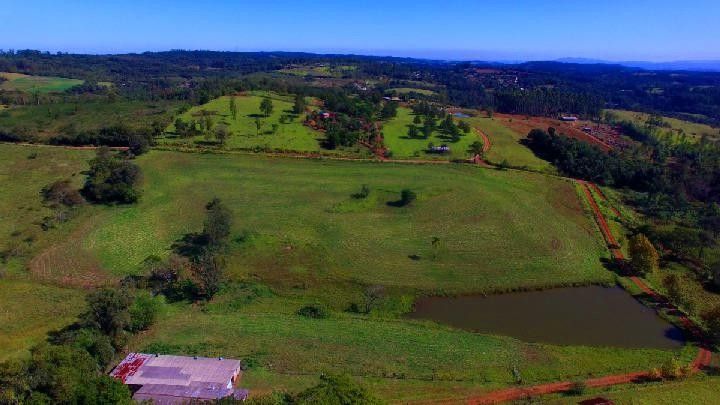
column 407, row 90
column 396, row 139
column 691, row 129
column 506, row 146
column 28, row 170
column 299, row 238
column 40, row 84
column 298, row 220
column 292, row 135
column 30, row 310
column 45, row 121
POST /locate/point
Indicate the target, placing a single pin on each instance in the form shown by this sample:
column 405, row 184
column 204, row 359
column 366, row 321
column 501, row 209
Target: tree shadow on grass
column 191, row 245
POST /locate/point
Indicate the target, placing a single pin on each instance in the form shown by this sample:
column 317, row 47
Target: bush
column 144, row 310
column 407, row 196
column 672, row 369
column 61, row 193
column 112, row 179
column 338, row 390
column 578, row 388
column 313, row 311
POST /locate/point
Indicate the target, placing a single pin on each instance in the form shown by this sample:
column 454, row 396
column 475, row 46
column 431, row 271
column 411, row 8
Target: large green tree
column 643, row 256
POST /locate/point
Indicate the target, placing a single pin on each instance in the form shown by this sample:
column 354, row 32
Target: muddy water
column 589, row 316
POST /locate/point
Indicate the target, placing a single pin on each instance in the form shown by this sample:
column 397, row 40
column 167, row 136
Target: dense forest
column 534, row 88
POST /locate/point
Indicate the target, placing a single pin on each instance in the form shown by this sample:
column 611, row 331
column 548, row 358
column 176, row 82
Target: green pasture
column 24, row 171
column 47, row 120
column 407, row 90
column 29, row 310
column 506, row 146
column 291, row 135
column 498, row 230
column 40, row 84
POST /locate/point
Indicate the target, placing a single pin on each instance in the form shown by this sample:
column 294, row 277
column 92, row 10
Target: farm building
column 568, row 118
column 439, row 149
column 167, row 379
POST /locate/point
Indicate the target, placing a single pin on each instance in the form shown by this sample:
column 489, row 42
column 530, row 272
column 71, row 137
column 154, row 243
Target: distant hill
column 691, row 65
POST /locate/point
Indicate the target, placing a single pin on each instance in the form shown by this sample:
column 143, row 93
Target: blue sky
column 472, row 29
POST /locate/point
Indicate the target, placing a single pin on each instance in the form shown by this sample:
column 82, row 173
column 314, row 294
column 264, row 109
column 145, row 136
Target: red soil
column 523, row 124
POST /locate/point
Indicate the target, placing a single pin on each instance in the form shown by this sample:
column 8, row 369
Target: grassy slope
column 499, row 229
column 396, row 139
column 407, row 90
column 41, row 84
column 45, row 121
column 692, row 129
column 291, row 136
column 506, row 145
column 29, row 310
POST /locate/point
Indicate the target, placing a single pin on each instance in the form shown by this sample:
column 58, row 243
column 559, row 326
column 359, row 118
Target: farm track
column 702, row 360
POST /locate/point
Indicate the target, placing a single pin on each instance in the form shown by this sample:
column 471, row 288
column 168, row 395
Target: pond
column 461, row 115
column 587, row 316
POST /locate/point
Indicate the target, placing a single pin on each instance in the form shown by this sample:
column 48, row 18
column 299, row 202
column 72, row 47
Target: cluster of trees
column 139, row 141
column 425, row 123
column 196, row 270
column 112, row 179
column 68, row 368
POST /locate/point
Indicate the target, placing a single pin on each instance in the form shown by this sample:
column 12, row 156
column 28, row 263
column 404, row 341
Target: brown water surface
column 588, row 316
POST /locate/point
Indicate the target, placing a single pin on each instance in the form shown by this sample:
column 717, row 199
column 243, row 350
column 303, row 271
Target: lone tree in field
column 217, row 222
column 222, row 133
column 266, row 107
column 258, row 125
column 233, row 108
column 477, row 148
column 300, row 104
column 407, row 196
column 643, row 256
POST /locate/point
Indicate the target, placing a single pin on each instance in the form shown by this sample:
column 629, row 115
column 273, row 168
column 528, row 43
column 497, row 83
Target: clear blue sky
column 451, row 29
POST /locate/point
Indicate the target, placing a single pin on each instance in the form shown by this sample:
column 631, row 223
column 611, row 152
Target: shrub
column 61, row 193
column 340, row 390
column 144, row 310
column 671, row 369
column 643, row 256
column 112, row 179
column 407, row 196
column 313, row 311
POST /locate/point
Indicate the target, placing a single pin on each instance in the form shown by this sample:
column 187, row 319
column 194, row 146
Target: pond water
column 461, row 115
column 587, row 316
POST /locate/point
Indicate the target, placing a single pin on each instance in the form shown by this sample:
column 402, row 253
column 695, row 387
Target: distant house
column 587, row 129
column 439, row 149
column 165, row 379
column 568, row 118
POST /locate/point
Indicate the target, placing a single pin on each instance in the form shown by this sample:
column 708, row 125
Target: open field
column 523, row 124
column 299, row 238
column 299, row 221
column 407, row 90
column 691, row 129
column 506, row 145
column 396, row 139
column 29, row 311
column 24, row 171
column 40, row 84
column 45, row 121
column 292, row 135
column 318, row 71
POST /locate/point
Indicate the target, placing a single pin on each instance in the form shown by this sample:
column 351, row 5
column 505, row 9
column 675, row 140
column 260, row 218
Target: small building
column 165, row 379
column 569, row 118
column 439, row 149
